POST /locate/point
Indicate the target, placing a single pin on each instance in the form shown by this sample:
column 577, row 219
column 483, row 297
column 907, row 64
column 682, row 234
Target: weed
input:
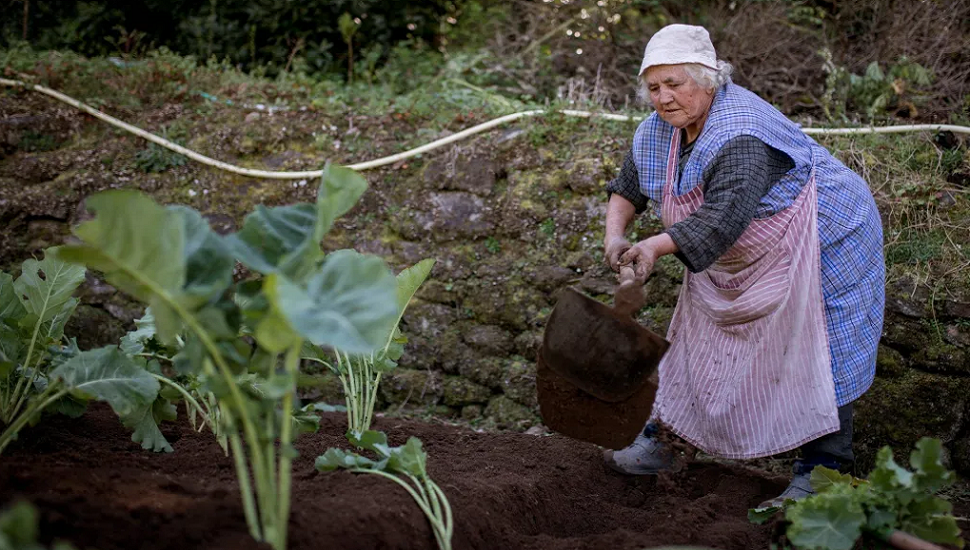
column 156, row 158
column 548, row 227
column 493, row 245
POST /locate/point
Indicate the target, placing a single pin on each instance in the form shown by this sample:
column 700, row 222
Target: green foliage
column 360, row 373
column 19, row 529
column 893, row 498
column 875, row 92
column 156, row 158
column 204, row 324
column 38, row 370
column 405, row 465
column 493, row 245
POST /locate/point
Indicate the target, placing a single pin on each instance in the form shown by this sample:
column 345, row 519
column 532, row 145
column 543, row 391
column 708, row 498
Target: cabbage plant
column 360, row 374
column 41, row 370
column 243, row 339
column 407, row 466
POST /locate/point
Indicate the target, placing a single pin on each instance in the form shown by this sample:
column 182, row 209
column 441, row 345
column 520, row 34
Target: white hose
column 424, row 148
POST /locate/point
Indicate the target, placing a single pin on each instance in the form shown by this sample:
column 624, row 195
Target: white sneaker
column 645, row 456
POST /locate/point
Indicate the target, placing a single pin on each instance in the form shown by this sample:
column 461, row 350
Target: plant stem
column 13, row 429
column 249, row 505
column 187, row 396
column 441, row 527
column 9, row 408
column 292, row 365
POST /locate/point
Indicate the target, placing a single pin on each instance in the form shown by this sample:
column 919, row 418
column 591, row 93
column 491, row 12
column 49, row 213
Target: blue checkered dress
column 849, row 226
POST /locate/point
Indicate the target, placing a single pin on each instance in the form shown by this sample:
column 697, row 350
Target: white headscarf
column 676, row 44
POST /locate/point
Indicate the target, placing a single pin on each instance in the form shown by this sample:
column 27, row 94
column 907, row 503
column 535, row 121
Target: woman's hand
column 641, row 256
column 615, row 247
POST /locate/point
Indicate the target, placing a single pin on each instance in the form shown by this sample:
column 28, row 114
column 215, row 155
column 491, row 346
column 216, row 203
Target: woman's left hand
column 642, row 256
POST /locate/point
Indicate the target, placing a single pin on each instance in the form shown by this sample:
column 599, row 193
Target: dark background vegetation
column 839, row 59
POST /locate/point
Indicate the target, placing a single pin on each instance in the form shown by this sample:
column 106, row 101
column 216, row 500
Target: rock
column 517, row 306
column 551, row 277
column 942, row 358
column 438, row 292
column 519, row 383
column 36, row 170
column 94, row 327
column 958, row 335
column 489, row 339
column 583, row 176
column 889, row 362
column 903, row 334
column 905, row 297
column 471, row 412
column 322, row 387
column 509, row 415
column 899, row 411
column 485, row 371
column 411, row 387
column 527, row 344
column 251, row 117
column 459, row 215
column 956, row 309
column 458, row 391
column 43, row 233
column 599, row 285
column 473, row 173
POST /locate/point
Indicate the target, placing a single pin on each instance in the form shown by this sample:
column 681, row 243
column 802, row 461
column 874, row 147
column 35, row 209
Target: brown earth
column 97, row 489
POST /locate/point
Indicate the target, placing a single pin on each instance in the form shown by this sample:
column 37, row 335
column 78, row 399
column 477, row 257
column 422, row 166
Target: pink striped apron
column 748, row 373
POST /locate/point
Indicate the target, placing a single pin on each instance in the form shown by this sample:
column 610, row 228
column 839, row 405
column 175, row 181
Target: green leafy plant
column 876, row 92
column 242, row 340
column 39, row 371
column 405, row 465
column 360, row 374
column 156, row 158
column 891, row 501
column 201, row 405
column 348, row 28
column 19, row 529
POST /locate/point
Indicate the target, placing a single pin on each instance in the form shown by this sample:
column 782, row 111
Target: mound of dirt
column 97, row 489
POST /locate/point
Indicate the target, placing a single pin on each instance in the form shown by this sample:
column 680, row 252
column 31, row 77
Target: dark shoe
column 799, row 488
column 645, row 456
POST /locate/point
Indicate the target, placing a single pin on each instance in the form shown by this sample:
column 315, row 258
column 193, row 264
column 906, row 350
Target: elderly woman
column 780, row 312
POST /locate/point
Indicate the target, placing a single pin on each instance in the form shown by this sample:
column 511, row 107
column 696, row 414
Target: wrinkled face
column 677, row 98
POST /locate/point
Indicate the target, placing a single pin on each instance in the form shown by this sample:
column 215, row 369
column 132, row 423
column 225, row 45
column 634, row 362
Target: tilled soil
column 97, row 489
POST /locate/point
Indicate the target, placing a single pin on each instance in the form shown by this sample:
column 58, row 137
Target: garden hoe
column 594, row 368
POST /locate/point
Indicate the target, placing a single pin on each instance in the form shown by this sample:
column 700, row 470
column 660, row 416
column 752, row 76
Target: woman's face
column 677, row 98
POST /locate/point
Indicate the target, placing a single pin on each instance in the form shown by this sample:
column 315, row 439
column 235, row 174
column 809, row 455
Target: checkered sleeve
column 742, row 172
column 627, row 184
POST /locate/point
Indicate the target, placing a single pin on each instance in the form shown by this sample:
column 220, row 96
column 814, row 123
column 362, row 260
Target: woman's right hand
column 615, row 247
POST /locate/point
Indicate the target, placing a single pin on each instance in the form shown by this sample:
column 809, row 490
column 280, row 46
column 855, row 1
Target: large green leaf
column 828, row 521
column 930, row 518
column 409, row 280
column 208, row 260
column 11, row 309
column 286, row 239
column 12, row 347
column 139, row 246
column 109, row 375
column 134, row 342
column 348, row 304
column 340, row 189
column 927, row 462
column 888, row 477
column 145, row 420
column 45, row 288
column 409, row 458
column 823, row 478
column 278, row 239
column 336, row 458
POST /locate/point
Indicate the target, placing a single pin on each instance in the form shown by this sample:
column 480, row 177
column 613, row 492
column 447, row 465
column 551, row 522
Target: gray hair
column 705, row 77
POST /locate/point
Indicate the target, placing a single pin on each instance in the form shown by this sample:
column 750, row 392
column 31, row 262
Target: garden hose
column 426, row 147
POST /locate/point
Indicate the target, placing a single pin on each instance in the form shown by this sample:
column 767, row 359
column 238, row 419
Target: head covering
column 676, row 44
